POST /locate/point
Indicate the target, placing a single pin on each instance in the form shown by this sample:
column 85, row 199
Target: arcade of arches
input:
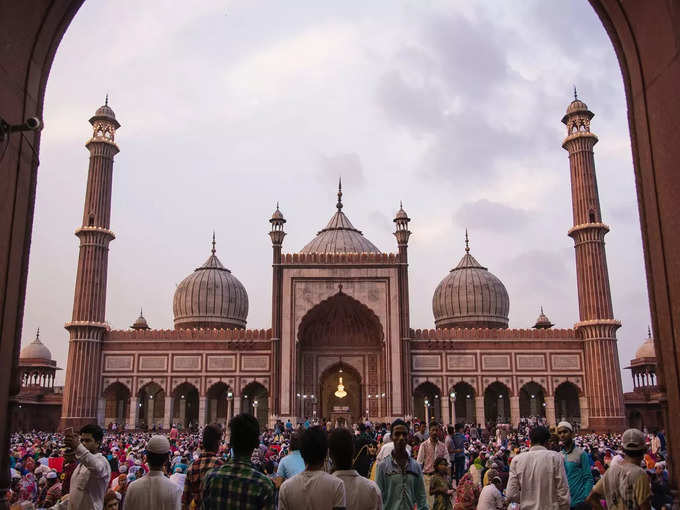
column 497, row 405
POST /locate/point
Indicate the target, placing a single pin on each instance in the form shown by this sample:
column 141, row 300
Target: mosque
column 340, row 345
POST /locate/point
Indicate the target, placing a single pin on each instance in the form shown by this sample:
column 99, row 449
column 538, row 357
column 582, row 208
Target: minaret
column 87, row 325
column 403, row 234
column 597, row 326
column 277, row 234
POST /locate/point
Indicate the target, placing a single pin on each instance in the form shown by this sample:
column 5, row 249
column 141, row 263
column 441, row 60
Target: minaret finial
column 213, row 243
column 575, row 94
column 37, row 335
column 339, row 204
column 467, row 242
column 277, row 205
column 401, row 205
column 141, row 311
column 106, row 102
column 542, row 310
column 649, row 332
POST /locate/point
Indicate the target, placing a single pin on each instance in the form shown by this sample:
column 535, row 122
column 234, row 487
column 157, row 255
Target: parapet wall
column 490, row 334
column 190, row 334
column 340, row 258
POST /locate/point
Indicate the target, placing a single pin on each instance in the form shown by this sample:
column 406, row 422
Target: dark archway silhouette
column 464, row 402
column 531, row 400
column 427, row 394
column 255, row 401
column 567, row 406
column 497, row 403
column 643, row 35
column 151, row 406
column 117, row 397
column 185, row 406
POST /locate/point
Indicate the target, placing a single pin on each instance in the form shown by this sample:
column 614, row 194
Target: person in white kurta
column 90, row 479
column 154, row 490
column 491, row 497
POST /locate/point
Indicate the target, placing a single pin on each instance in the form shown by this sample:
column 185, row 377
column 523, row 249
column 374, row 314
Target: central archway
column 348, row 409
column 340, row 332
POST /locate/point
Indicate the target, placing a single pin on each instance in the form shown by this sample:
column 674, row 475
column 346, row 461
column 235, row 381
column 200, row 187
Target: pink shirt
column 429, row 452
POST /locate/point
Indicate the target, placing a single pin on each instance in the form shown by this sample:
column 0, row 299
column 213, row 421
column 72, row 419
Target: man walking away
column 313, row 489
column 237, row 485
column 429, row 451
column 291, row 464
column 458, row 459
column 398, row 476
column 154, row 490
column 577, row 466
column 538, row 480
column 360, row 493
column 625, row 485
column 90, row 478
column 207, row 460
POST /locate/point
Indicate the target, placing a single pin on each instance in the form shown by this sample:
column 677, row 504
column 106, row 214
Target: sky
column 452, row 107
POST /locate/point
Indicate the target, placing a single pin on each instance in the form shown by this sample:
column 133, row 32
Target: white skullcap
column 566, row 425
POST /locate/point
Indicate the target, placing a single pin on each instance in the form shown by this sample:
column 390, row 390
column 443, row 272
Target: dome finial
column 542, row 310
column 37, row 335
column 467, row 242
column 213, row 244
column 649, row 332
column 106, row 101
column 339, row 204
column 575, row 94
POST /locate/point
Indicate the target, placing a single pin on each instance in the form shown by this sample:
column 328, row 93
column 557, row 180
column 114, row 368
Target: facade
column 341, row 345
column 643, row 404
column 38, row 403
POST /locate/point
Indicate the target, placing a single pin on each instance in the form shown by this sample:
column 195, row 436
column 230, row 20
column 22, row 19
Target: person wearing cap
column 491, row 497
column 625, row 485
column 577, row 466
column 53, row 489
column 154, row 490
column 537, row 479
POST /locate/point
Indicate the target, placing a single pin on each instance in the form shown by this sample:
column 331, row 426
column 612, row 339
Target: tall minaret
column 88, row 325
column 277, row 234
column 597, row 326
column 402, row 233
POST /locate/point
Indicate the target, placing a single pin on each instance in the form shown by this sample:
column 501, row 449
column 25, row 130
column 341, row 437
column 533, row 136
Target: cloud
column 491, row 216
column 346, row 166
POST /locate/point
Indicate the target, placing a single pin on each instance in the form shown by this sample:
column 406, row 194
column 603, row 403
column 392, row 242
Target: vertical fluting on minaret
column 87, row 326
column 402, row 233
column 597, row 326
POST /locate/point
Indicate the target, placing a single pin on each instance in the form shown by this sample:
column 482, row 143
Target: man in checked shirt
column 237, row 485
column 212, row 434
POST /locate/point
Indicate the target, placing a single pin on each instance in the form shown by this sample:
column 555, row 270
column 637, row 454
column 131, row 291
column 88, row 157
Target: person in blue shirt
column 291, row 464
column 577, row 466
column 399, row 476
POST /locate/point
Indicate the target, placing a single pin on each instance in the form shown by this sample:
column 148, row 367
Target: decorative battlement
column 190, row 334
column 490, row 334
column 339, row 258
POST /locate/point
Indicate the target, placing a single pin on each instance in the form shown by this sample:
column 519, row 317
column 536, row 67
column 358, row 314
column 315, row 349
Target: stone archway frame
column 143, row 381
column 178, row 381
column 212, row 381
column 575, row 380
column 471, row 380
column 309, row 316
column 505, row 380
column 107, row 382
column 443, row 399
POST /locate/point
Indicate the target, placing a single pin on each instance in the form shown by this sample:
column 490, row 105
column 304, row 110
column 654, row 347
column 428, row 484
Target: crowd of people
column 400, row 465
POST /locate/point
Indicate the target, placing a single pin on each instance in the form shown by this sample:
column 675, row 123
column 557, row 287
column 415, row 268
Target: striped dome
column 470, row 297
column 210, row 297
column 340, row 236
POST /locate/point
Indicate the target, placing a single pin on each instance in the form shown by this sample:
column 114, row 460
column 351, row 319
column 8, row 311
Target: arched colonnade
column 498, row 404
column 184, row 406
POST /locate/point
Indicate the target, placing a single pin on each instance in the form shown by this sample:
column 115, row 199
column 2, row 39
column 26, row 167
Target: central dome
column 470, row 297
column 210, row 297
column 340, row 236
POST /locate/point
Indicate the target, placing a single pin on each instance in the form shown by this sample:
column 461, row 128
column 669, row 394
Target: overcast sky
column 229, row 106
